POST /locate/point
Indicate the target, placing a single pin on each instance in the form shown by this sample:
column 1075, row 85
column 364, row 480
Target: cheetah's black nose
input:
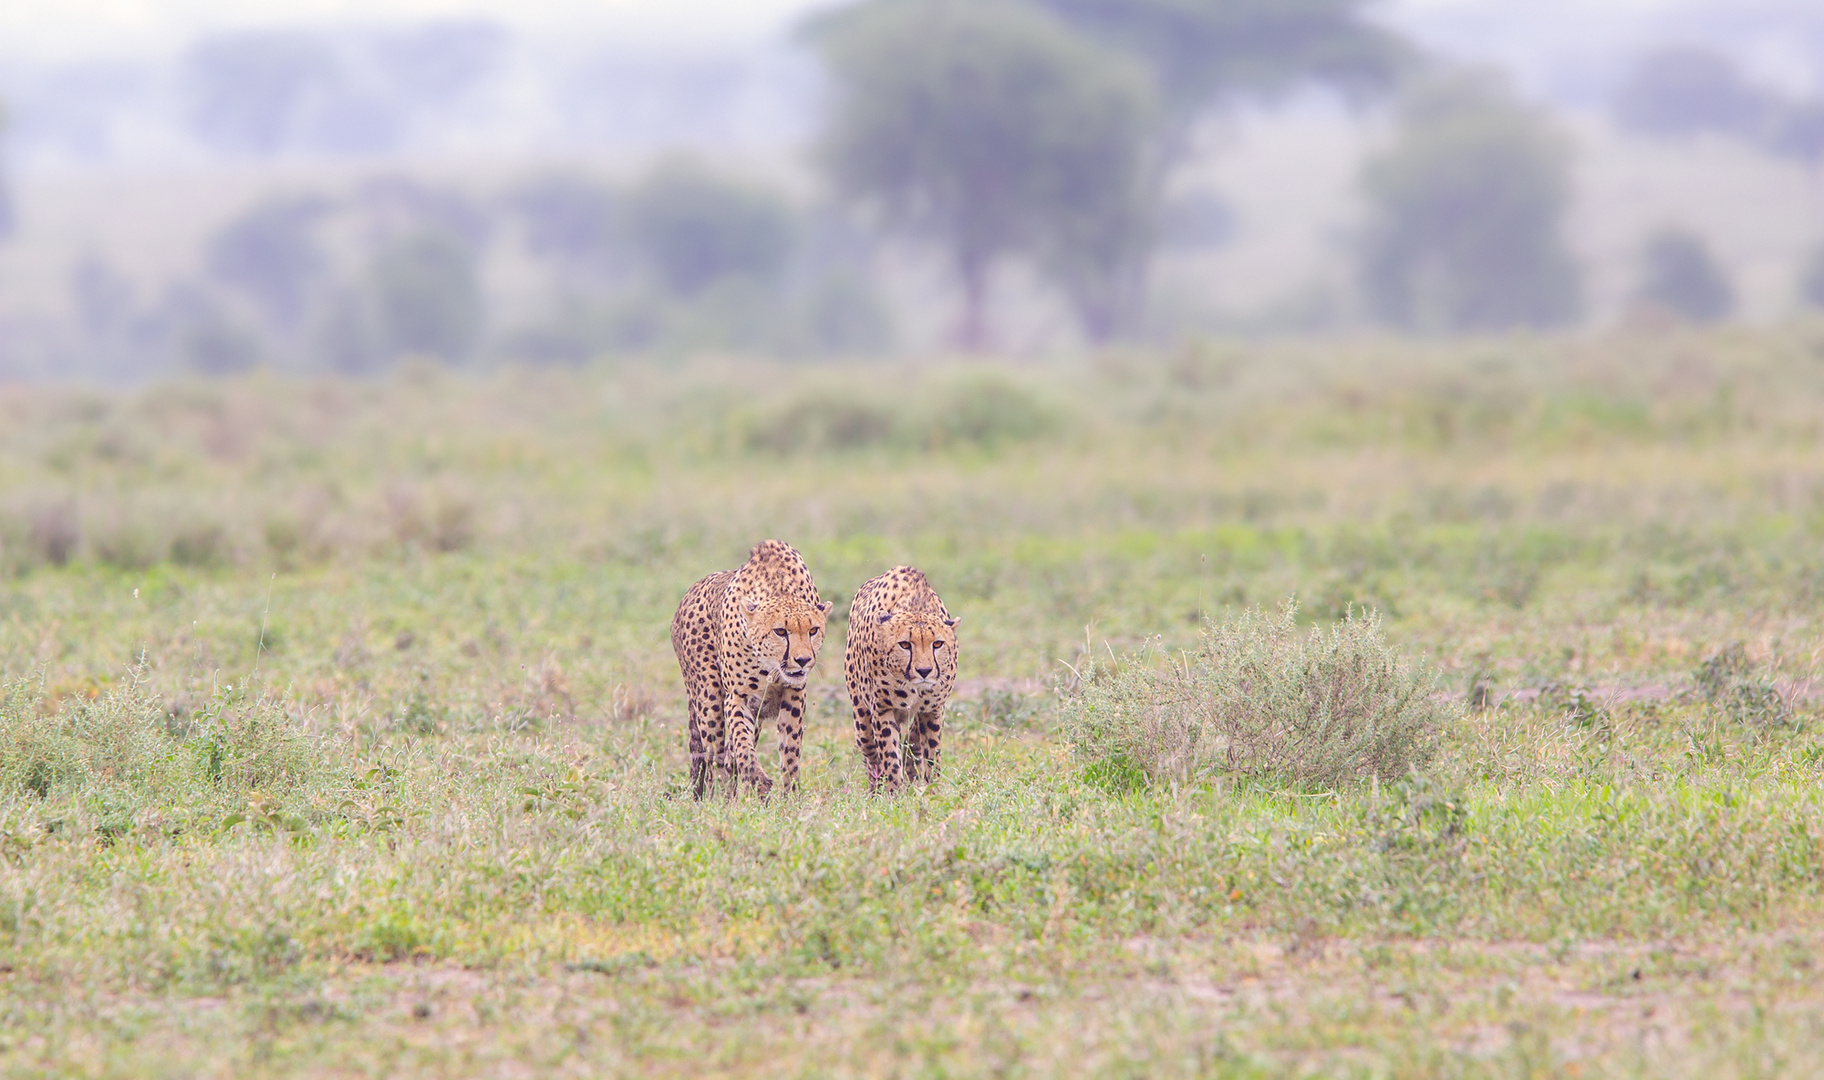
column 802, row 661
column 924, row 673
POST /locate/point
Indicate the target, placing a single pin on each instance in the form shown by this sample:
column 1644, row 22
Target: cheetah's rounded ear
column 953, row 622
column 752, row 607
column 886, row 617
column 826, row 606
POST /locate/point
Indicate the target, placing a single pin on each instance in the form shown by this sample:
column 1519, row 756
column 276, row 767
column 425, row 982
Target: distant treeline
column 1048, row 135
column 683, row 258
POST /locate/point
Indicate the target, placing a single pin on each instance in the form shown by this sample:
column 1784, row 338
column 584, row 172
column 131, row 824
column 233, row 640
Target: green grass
column 342, row 733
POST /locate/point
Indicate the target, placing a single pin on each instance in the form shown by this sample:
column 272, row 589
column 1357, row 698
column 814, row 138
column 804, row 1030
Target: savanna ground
column 343, row 734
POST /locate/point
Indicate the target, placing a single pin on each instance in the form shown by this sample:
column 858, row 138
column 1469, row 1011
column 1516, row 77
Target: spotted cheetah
column 901, row 665
column 746, row 640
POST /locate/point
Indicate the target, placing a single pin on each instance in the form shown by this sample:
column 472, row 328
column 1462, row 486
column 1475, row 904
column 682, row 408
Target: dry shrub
column 1262, row 701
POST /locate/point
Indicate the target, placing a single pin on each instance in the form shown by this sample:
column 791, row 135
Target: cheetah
column 745, row 641
column 900, row 664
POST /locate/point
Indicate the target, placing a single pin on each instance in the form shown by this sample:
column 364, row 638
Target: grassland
column 342, row 734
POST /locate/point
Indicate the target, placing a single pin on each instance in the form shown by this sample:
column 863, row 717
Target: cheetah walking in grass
column 901, row 665
column 746, row 640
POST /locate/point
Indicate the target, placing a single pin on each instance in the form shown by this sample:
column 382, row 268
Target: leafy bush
column 1261, row 701
column 1680, row 274
column 985, row 410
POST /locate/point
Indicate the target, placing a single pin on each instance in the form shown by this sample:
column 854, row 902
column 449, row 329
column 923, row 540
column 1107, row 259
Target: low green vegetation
column 342, row 733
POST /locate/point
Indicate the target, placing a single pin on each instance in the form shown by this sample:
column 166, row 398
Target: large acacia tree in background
column 1466, row 214
column 1051, row 128
column 988, row 126
column 1205, row 56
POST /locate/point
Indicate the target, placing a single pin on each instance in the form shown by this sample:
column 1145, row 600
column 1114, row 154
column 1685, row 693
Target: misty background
column 319, row 187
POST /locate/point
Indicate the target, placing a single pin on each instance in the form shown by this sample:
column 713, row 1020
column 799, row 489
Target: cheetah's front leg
column 927, row 744
column 868, row 744
column 791, row 735
column 887, row 724
column 743, row 762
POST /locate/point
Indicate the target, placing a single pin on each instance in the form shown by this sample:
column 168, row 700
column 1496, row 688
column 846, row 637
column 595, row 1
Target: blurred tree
column 201, row 335
column 991, row 127
column 1798, row 132
column 940, row 100
column 842, row 314
column 693, row 229
column 1690, row 91
column 393, row 204
column 1196, row 220
column 570, row 220
column 426, row 295
column 1679, row 274
column 270, row 252
column 106, row 306
column 1685, row 91
column 350, row 120
column 8, row 221
column 103, row 296
column 439, row 61
column 1466, row 213
column 1204, row 55
column 246, row 89
column 1811, row 279
column 346, row 336
column 212, row 343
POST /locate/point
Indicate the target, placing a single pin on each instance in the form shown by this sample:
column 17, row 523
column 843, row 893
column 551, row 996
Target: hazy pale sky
column 85, row 25
column 66, row 22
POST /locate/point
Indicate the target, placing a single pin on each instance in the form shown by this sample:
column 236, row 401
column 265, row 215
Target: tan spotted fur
column 746, row 641
column 900, row 663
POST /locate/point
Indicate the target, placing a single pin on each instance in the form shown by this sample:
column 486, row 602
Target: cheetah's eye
column 906, row 645
column 780, row 630
column 937, row 644
column 814, row 630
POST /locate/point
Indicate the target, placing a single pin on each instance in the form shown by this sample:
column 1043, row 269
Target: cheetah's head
column 785, row 635
column 915, row 642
